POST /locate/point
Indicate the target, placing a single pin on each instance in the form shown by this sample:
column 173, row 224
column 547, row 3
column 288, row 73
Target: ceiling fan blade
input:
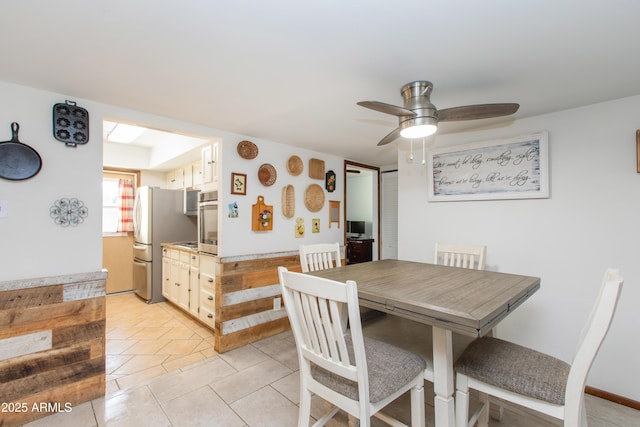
column 395, row 134
column 386, row 108
column 474, row 112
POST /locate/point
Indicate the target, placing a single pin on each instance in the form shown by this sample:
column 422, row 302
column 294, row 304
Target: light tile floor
column 148, row 340
column 164, row 382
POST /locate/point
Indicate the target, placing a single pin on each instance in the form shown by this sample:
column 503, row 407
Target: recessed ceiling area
column 148, row 148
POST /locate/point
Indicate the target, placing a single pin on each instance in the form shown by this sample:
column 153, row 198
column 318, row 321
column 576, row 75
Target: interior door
column 364, row 198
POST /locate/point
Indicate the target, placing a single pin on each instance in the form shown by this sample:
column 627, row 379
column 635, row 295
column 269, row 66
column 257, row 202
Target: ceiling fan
column 419, row 117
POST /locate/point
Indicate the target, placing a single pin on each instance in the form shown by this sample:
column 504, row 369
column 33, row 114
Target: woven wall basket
column 314, row 198
column 288, row 201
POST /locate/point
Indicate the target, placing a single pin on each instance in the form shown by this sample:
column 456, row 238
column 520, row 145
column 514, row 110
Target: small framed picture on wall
column 238, row 183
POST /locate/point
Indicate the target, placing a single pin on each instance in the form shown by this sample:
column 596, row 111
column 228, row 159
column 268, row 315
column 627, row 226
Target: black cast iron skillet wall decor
column 70, row 124
column 18, row 161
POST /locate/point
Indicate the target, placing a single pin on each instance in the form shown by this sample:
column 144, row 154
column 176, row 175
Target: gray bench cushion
column 515, row 368
column 390, row 368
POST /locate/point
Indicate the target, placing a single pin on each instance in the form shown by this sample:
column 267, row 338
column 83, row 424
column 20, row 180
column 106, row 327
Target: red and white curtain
column 125, row 201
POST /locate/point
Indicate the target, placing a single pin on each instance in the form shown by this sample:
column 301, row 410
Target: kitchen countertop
column 182, row 247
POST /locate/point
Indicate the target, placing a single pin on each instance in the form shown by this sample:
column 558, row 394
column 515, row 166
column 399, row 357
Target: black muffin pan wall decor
column 70, row 124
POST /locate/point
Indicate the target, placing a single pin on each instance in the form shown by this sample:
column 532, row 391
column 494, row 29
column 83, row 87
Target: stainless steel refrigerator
column 158, row 217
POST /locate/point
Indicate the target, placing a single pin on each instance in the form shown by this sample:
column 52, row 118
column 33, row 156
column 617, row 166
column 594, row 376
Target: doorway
column 362, row 202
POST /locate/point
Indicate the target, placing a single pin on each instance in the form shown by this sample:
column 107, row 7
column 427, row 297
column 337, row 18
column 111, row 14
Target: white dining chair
column 356, row 374
column 532, row 379
column 319, row 256
column 465, row 256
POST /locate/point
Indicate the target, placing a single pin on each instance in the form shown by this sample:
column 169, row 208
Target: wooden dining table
column 450, row 299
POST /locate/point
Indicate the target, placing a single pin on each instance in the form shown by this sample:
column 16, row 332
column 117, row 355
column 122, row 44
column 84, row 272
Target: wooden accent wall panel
column 38, row 382
column 256, row 279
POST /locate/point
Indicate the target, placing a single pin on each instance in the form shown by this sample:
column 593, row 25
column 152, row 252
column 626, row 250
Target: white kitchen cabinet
column 196, row 172
column 207, row 307
column 167, row 284
column 174, row 274
column 187, row 176
column 181, row 280
column 184, row 281
column 210, row 164
column 194, row 284
column 175, row 179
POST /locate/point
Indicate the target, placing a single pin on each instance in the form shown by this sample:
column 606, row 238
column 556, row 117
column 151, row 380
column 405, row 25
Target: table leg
column 443, row 377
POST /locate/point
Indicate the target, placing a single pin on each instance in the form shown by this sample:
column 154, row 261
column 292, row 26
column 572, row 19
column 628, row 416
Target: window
column 110, row 205
column 115, row 201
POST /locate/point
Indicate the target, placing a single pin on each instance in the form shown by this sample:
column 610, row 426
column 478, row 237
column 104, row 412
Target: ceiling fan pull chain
column 411, row 154
column 424, row 162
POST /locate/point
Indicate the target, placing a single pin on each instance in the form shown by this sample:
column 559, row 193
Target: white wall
column 589, row 223
column 236, row 235
column 33, row 246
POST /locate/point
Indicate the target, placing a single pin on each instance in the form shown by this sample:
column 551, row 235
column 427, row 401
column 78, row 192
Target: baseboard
column 621, row 400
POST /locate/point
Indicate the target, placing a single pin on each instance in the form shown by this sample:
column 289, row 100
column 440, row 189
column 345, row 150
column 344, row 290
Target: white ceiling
column 292, row 71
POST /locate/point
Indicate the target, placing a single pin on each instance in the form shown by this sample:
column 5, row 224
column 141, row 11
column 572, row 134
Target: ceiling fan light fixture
column 418, row 127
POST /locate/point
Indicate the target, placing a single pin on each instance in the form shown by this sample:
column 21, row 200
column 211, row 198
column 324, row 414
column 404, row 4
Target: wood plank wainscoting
column 246, row 288
column 52, row 345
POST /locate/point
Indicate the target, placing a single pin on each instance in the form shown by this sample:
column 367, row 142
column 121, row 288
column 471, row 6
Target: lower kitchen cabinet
column 188, row 281
column 207, row 307
column 180, row 279
column 194, row 283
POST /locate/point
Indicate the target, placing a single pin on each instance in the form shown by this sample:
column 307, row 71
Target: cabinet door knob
column 210, row 279
column 210, row 316
column 210, row 298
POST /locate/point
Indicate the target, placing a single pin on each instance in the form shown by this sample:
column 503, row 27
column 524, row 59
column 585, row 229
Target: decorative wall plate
column 330, row 181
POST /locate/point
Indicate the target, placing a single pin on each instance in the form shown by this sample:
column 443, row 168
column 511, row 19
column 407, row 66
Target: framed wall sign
column 515, row 168
column 238, row 183
column 638, row 150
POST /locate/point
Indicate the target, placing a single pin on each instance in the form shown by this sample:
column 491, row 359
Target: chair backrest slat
column 319, row 256
column 465, row 256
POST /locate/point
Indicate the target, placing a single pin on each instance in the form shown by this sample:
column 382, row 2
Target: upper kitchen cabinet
column 210, row 164
column 175, row 179
column 196, row 172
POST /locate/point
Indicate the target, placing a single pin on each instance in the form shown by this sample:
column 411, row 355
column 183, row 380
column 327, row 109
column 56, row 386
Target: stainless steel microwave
column 191, row 201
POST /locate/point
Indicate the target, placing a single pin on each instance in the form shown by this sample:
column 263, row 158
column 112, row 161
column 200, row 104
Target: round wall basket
column 247, row 150
column 314, row 198
column 267, row 174
column 295, row 165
